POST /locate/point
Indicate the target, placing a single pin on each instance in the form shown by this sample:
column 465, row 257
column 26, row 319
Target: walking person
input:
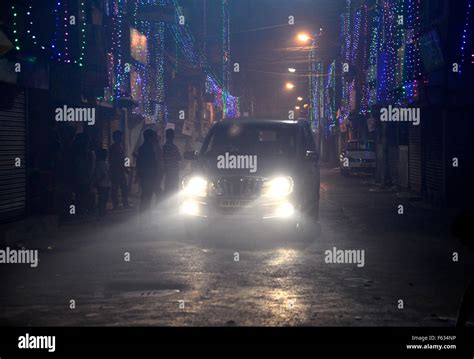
column 171, row 158
column 118, row 171
column 102, row 181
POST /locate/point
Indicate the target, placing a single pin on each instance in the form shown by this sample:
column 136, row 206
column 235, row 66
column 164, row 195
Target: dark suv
column 260, row 175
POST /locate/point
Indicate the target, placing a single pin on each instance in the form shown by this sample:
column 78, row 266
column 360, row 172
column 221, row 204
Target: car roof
column 260, row 121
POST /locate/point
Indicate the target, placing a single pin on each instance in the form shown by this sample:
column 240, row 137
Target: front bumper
column 262, row 220
column 360, row 166
column 241, row 228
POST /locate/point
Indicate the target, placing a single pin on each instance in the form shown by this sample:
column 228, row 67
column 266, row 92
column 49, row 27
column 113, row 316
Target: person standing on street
column 102, row 180
column 147, row 169
column 118, row 171
column 83, row 159
column 159, row 158
column 171, row 158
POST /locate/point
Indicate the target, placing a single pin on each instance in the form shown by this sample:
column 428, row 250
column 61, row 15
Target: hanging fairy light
column 356, row 34
column 464, row 35
column 16, row 40
column 54, row 43
column 387, row 76
column 373, row 57
column 82, row 35
column 365, row 65
column 225, row 56
column 160, row 82
column 30, row 29
column 66, row 34
column 121, row 75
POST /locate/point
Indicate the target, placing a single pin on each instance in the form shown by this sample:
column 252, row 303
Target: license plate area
column 234, row 203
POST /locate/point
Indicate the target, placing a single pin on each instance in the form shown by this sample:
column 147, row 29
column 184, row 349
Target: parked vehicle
column 358, row 156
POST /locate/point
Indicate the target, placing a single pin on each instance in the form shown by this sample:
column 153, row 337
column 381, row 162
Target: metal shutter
column 393, row 163
column 414, row 158
column 434, row 159
column 13, row 145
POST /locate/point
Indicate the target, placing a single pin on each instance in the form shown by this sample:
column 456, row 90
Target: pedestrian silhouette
column 84, row 166
column 160, row 166
column 118, row 171
column 171, row 158
column 147, row 169
column 102, row 180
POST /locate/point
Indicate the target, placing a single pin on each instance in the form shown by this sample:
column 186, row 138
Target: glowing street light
column 291, row 69
column 305, row 105
column 299, row 98
column 303, row 37
column 297, row 107
column 289, row 86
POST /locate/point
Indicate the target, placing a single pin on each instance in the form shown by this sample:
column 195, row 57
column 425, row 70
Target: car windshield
column 361, row 146
column 260, row 139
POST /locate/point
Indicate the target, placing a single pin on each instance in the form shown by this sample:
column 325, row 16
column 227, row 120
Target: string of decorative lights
column 464, row 35
column 191, row 52
column 329, row 99
column 121, row 75
column 60, row 51
column 373, row 57
column 364, row 108
column 226, row 76
column 54, row 44
column 346, row 34
column 159, row 65
column 356, row 34
column 30, row 31
column 139, row 88
column 387, row 77
column 66, row 33
column 82, row 50
column 16, row 39
column 403, row 67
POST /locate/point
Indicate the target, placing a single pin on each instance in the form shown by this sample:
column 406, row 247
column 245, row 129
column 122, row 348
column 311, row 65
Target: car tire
column 189, row 233
column 308, row 231
column 193, row 234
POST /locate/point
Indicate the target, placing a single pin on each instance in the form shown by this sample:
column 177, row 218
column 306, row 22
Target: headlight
column 195, row 186
column 278, row 187
column 189, row 208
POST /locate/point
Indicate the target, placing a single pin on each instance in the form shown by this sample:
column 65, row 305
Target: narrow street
column 172, row 281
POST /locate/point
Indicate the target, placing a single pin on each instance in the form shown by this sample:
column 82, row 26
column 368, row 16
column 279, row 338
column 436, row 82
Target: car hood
column 265, row 167
column 366, row 155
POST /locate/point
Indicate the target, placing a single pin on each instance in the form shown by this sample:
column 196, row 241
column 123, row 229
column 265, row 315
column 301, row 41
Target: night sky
column 265, row 54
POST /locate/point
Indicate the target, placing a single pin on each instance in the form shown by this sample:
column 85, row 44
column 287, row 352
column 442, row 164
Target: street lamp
column 299, row 98
column 303, row 37
column 297, row 107
column 289, row 86
column 291, row 69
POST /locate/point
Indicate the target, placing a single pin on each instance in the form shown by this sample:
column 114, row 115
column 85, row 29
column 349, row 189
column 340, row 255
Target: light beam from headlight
column 285, row 210
column 189, row 208
column 195, row 186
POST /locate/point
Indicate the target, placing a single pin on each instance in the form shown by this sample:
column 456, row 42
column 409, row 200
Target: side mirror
column 190, row 155
column 312, row 156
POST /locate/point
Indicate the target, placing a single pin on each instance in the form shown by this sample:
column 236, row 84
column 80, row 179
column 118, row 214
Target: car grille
column 238, row 187
column 361, row 160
